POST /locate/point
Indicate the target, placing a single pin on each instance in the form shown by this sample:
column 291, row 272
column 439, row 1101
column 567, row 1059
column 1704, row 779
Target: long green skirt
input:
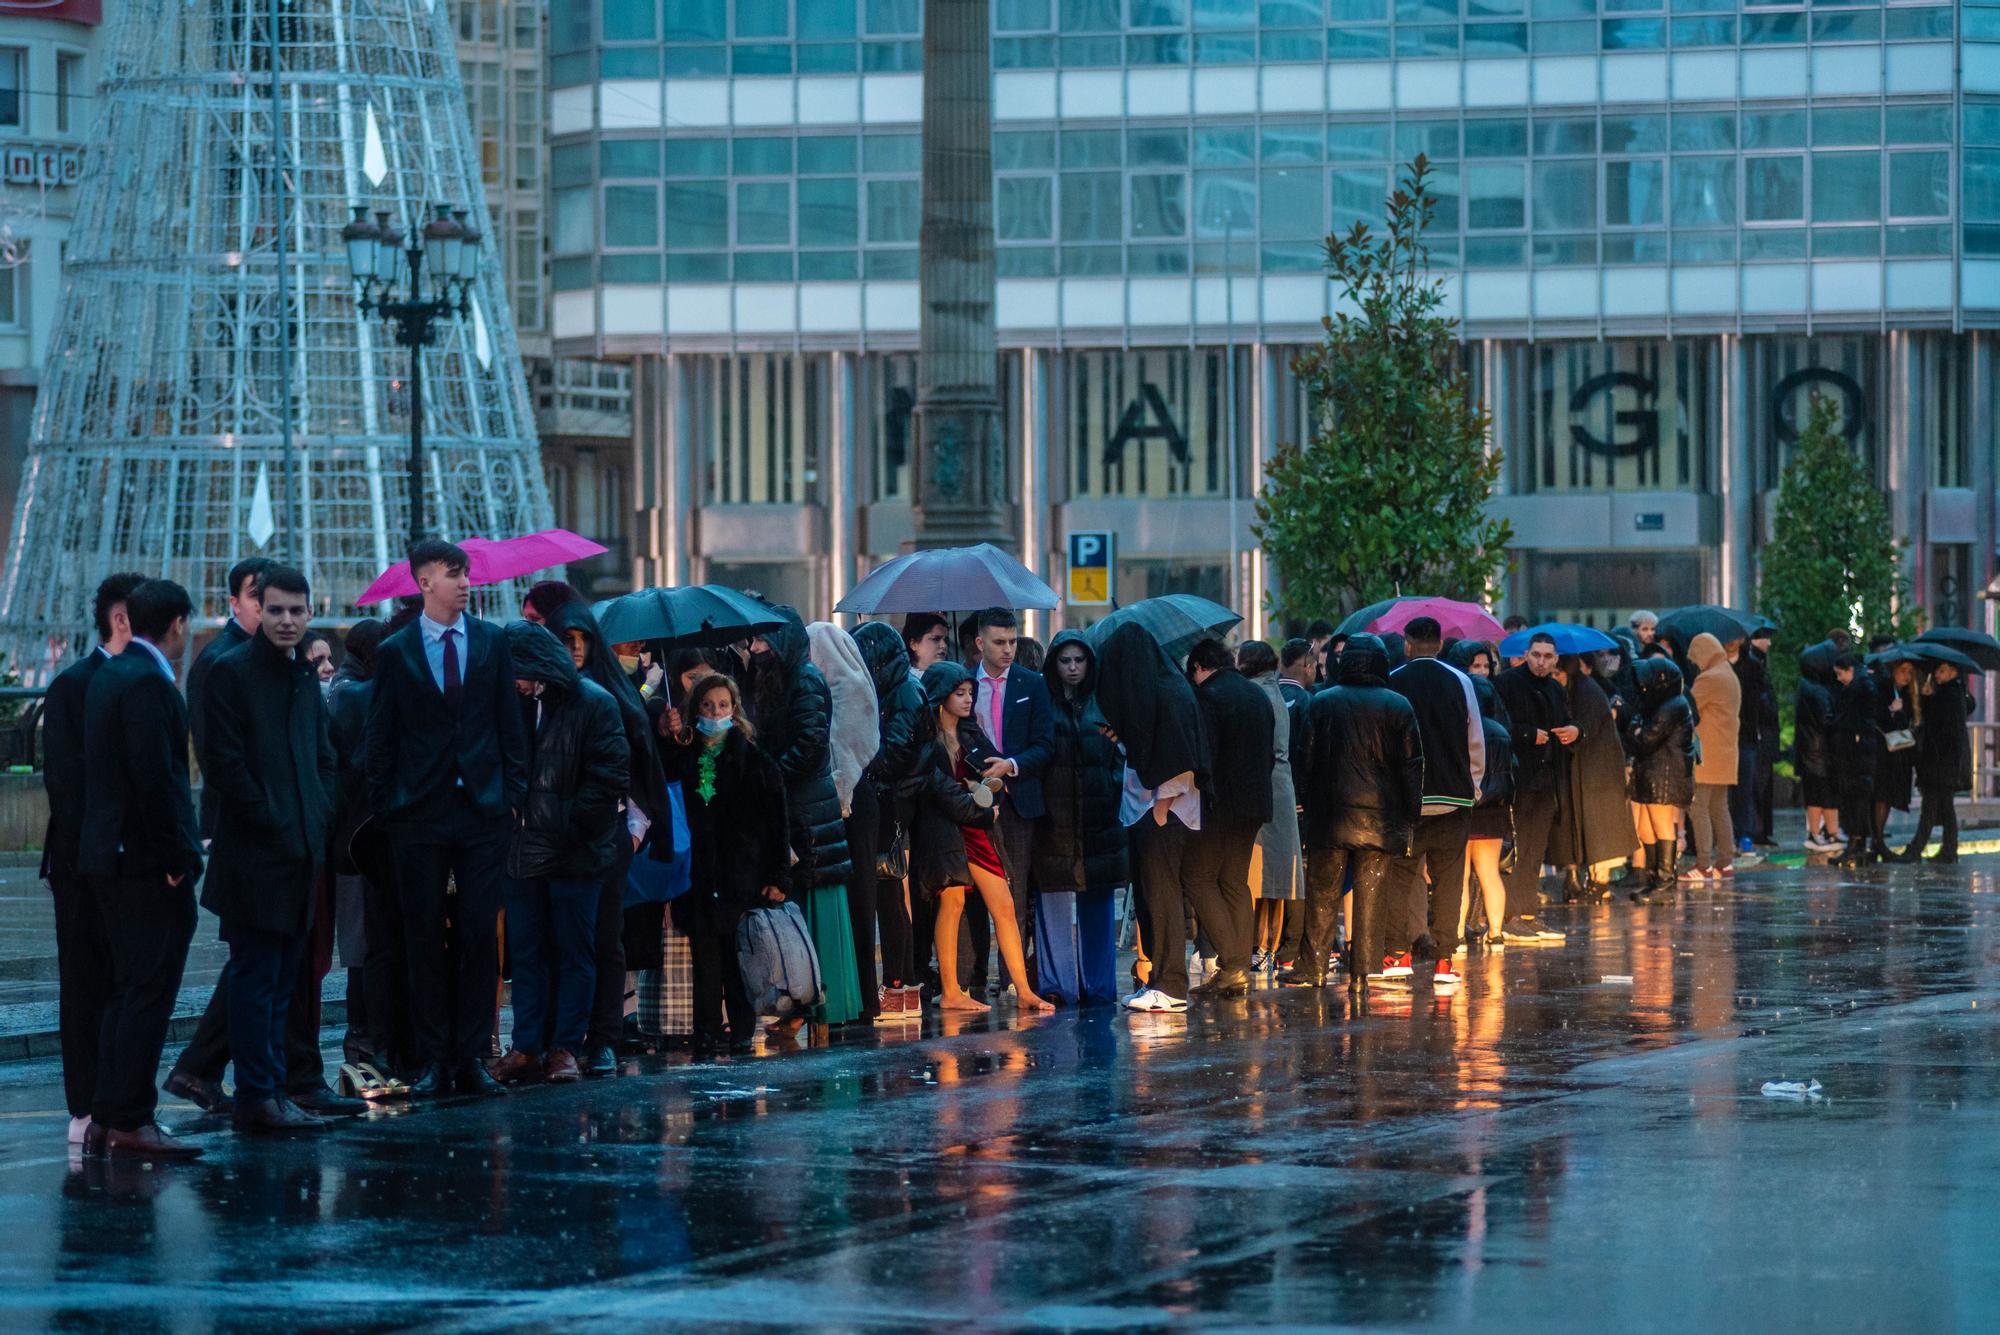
column 833, row 938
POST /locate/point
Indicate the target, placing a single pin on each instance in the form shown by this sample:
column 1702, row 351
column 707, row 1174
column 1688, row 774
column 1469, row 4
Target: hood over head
column 1147, row 701
column 1816, row 662
column 856, row 734
column 1489, row 699
column 601, row 665
column 539, row 656
column 941, row 679
column 1659, row 681
column 789, row 641
column 887, row 657
column 1705, row 651
column 1364, row 662
column 1062, row 640
column 1462, row 652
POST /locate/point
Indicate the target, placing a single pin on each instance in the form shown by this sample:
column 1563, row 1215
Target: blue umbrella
column 1569, row 639
column 949, row 579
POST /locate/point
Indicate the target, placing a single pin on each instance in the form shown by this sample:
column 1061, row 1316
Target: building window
column 69, row 87
column 13, row 87
column 1149, row 422
column 14, row 288
column 763, row 414
column 1618, row 415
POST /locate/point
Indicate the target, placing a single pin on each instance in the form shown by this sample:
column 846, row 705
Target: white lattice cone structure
column 157, row 442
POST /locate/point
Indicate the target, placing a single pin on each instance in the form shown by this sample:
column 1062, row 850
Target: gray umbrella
column 1177, row 620
column 949, row 579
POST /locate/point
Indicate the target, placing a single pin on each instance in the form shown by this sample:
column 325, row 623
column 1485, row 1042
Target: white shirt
column 166, row 668
column 1136, row 802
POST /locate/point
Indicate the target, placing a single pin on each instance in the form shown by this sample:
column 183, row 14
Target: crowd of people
column 449, row 801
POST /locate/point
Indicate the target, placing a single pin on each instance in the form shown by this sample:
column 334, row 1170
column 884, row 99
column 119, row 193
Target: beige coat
column 1718, row 700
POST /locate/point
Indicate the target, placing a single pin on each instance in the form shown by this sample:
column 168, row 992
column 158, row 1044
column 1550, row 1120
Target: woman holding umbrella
column 1899, row 720
column 1944, row 762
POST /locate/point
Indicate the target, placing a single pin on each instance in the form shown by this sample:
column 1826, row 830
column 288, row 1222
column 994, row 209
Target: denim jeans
column 551, row 941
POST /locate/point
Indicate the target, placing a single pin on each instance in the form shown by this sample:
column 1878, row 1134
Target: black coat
column 1151, row 707
column 1659, row 736
column 1079, row 843
column 1854, row 735
column 647, row 788
column 794, row 722
column 269, row 760
column 138, row 808
column 578, row 766
column 904, row 722
column 1944, row 746
column 1367, row 761
column 1534, row 704
column 1753, row 682
column 225, row 639
column 1236, row 714
column 737, row 833
column 1298, row 712
column 347, row 724
column 1812, row 713
column 418, row 748
column 62, row 764
column 1593, row 823
column 939, row 805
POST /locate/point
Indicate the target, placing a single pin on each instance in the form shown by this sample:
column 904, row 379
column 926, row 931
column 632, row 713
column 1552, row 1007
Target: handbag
column 781, row 973
column 893, row 863
column 1901, row 739
column 648, row 880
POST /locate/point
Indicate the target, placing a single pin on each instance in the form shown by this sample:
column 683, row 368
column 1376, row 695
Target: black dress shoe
column 1226, row 983
column 207, row 1095
column 599, row 1060
column 317, row 1098
column 431, row 1082
column 276, row 1117
column 473, row 1078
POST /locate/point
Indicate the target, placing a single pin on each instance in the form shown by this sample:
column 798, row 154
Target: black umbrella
column 1177, row 620
column 1977, row 645
column 1683, row 624
column 704, row 616
column 1359, row 621
column 1925, row 655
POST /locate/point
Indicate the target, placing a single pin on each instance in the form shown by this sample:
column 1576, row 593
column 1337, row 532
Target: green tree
column 1388, row 495
column 1832, row 560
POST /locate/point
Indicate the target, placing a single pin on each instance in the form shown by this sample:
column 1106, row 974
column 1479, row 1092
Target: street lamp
column 378, row 257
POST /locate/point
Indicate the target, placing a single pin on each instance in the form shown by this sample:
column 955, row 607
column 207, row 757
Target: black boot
column 1666, row 863
column 1642, row 893
column 1573, row 891
column 1854, row 855
column 1635, row 877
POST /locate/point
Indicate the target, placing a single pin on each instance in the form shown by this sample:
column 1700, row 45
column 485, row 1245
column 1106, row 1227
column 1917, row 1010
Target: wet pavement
column 1545, row 1150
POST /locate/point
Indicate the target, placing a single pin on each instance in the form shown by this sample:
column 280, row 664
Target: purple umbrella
column 949, row 579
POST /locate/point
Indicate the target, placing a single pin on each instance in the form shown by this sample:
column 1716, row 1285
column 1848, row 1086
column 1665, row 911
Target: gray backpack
column 780, row 966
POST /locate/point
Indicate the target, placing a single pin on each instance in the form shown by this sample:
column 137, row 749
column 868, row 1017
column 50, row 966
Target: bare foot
column 1028, row 1001
column 961, row 1001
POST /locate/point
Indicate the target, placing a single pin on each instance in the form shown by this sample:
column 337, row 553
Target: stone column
column 960, row 459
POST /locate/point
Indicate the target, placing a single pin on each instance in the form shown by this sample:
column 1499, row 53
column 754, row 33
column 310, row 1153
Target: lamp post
column 378, row 260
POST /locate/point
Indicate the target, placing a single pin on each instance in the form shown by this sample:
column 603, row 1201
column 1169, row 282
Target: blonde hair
column 707, row 686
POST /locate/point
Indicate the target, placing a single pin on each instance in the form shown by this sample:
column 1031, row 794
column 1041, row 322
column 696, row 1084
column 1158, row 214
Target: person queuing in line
column 1081, row 856
column 568, row 838
column 902, row 727
column 1318, row 634
column 1297, row 673
column 139, row 851
column 83, row 955
column 790, row 704
column 1769, row 742
column 855, row 735
column 1325, row 656
column 958, row 758
column 1454, row 748
column 1752, row 678
column 1150, row 711
column 1944, row 764
column 1857, row 746
column 1595, row 828
column 545, row 598
column 1278, row 878
column 318, row 651
column 1718, row 701
column 926, row 637
column 1491, row 824
column 968, row 643
column 1235, row 807
column 369, row 922
column 1659, row 736
column 197, row 1073
column 447, row 753
column 1899, row 721
column 739, row 851
column 1642, row 623
column 1508, row 627
column 643, row 804
column 268, row 756
column 1812, row 748
column 1538, row 714
column 1361, row 814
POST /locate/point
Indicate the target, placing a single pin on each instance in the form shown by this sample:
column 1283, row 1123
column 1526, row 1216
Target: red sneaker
column 1397, row 965
column 1443, row 975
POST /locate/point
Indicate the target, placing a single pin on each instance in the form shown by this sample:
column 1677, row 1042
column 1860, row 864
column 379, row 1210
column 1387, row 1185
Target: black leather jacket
column 1367, row 760
column 578, row 766
column 1660, row 737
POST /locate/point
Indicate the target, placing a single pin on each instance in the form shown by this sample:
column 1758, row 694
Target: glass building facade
column 1663, row 224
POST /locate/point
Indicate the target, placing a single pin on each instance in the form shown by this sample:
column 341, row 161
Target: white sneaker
column 1208, row 964
column 77, row 1126
column 1152, row 999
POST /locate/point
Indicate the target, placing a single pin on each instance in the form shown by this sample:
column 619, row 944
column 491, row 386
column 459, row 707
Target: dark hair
column 285, row 579
column 919, row 624
column 1839, row 638
column 1761, row 633
column 1030, row 653
column 1877, row 643
column 1423, row 630
column 1211, row 655
column 1515, row 622
column 1295, row 652
column 435, row 551
column 407, row 610
column 1336, row 642
column 155, row 606
column 250, row 567
column 364, row 637
column 1255, row 657
column 1849, row 660
column 1541, row 637
column 1319, row 629
column 111, row 591
column 998, row 618
column 550, row 596
column 968, row 631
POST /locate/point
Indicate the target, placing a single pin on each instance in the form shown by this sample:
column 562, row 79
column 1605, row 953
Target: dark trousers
column 1743, row 795
column 1294, row 931
column 83, row 974
column 1534, row 822
column 1766, row 782
column 1327, row 872
column 1216, row 876
column 385, row 975
column 864, row 822
column 1939, row 811
column 892, row 920
column 262, row 973
column 1438, row 847
column 719, row 992
column 1014, row 840
column 454, row 951
column 209, row 1052
column 607, row 1004
column 147, row 925
column 552, row 946
column 1161, row 904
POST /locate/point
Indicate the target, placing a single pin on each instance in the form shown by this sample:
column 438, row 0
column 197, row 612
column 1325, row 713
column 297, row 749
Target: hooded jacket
column 1718, row 703
column 899, row 703
column 1079, row 844
column 1236, row 714
column 796, row 732
column 648, row 785
column 939, row 802
column 578, row 765
column 1812, row 711
column 1659, row 736
column 1151, row 707
column 856, row 732
column 1368, row 758
column 1496, row 785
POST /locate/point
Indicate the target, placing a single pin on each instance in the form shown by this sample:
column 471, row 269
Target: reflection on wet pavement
column 1541, row 1150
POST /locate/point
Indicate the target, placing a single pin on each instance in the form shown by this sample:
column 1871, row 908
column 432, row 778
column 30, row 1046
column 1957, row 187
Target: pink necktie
column 996, row 699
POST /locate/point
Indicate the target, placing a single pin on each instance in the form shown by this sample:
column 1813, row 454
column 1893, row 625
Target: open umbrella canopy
column 1682, row 624
column 1459, row 621
column 1358, row 621
column 1570, row 639
column 1924, row 655
column 704, row 616
column 949, row 579
column 493, row 561
column 1178, row 621
column 1818, row 658
column 1977, row 645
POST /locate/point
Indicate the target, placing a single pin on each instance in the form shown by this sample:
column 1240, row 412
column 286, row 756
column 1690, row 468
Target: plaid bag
column 666, row 994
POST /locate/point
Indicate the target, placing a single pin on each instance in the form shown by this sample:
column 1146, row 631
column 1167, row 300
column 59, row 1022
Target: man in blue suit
column 1013, row 711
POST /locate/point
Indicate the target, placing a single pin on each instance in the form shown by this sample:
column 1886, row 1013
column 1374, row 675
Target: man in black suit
column 1011, row 707
column 447, row 771
column 270, row 763
column 139, row 850
column 83, row 956
column 1538, row 709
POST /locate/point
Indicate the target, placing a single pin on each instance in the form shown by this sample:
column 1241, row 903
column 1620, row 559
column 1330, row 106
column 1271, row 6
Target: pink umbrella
column 1459, row 621
column 494, row 561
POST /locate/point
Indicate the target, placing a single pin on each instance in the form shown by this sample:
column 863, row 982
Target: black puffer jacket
column 939, row 802
column 1368, row 759
column 900, row 701
column 794, row 719
column 1660, row 736
column 1496, row 783
column 1812, row 724
column 578, row 767
column 1079, row 844
column 648, row 784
